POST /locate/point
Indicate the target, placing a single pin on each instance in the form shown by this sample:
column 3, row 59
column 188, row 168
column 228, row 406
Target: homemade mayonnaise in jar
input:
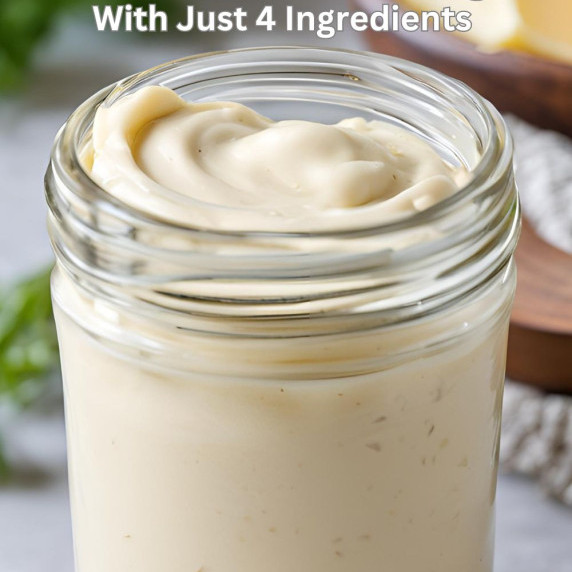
column 282, row 295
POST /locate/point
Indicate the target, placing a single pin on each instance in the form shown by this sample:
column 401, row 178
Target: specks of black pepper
column 431, row 429
column 200, row 150
column 340, row 394
column 337, row 540
column 401, row 400
column 380, row 419
column 281, row 390
column 374, row 446
column 437, row 394
column 358, row 403
column 424, row 461
column 394, row 177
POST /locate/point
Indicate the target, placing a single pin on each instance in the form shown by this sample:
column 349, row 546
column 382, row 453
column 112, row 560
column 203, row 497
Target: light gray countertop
column 533, row 534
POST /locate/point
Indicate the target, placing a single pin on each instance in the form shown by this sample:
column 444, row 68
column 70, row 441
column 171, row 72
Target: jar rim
column 497, row 149
column 472, row 248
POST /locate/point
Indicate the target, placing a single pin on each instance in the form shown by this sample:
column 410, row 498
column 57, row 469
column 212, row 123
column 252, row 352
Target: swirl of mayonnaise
column 224, row 166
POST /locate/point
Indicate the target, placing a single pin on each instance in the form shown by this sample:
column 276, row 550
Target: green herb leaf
column 28, row 344
column 25, row 23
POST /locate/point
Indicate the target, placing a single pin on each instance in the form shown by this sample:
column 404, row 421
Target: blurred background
column 52, row 58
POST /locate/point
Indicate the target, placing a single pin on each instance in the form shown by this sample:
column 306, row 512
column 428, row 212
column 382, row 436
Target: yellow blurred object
column 542, row 27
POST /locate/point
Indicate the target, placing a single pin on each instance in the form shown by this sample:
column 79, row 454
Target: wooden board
column 539, row 91
column 540, row 340
column 534, row 88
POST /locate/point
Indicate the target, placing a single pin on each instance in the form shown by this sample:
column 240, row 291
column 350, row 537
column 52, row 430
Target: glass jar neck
column 387, row 273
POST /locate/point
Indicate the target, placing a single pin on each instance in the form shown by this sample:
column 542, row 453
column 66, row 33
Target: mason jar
column 257, row 400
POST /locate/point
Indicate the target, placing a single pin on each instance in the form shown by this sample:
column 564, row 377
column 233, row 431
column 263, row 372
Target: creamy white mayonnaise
column 173, row 159
column 367, row 451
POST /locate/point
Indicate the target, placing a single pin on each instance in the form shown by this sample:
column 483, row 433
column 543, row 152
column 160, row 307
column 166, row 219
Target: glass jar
column 245, row 400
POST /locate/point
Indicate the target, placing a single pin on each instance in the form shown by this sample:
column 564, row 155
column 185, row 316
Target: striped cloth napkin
column 537, row 427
